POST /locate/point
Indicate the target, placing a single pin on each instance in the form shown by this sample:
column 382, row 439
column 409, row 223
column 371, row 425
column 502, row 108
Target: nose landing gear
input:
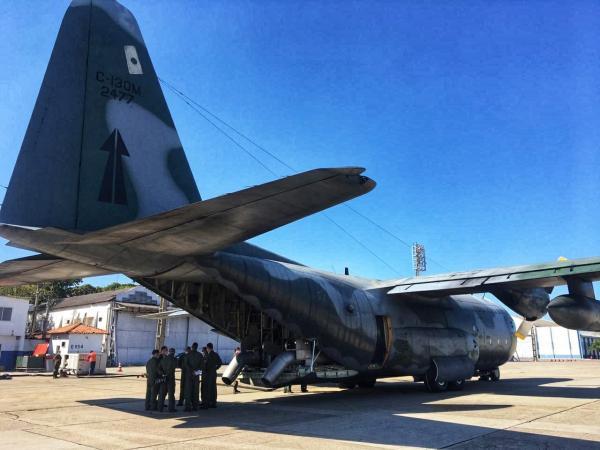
column 491, row 375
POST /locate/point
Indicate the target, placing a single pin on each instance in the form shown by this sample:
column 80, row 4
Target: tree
column 49, row 291
column 595, row 345
column 115, row 286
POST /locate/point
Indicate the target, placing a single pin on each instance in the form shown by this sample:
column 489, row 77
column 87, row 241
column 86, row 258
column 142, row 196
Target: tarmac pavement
column 535, row 405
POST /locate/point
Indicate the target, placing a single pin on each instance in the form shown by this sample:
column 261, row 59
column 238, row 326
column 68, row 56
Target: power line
column 241, row 147
column 203, row 112
column 239, row 133
column 389, row 233
column 355, row 239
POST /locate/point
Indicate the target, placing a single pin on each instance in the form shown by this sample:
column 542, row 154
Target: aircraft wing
column 40, row 268
column 488, row 280
column 211, row 225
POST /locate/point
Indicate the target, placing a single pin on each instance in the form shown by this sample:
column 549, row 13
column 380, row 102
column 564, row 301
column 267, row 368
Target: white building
column 182, row 330
column 13, row 320
column 77, row 338
column 547, row 340
column 130, row 337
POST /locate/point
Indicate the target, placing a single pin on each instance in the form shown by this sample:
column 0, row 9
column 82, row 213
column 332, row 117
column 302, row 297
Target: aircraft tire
column 495, row 374
column 456, row 385
column 347, row 385
column 484, row 378
column 367, row 384
column 434, row 385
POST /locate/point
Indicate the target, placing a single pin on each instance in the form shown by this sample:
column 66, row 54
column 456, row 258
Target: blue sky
column 478, row 120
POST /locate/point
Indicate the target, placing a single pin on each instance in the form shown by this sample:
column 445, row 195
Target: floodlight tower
column 418, row 259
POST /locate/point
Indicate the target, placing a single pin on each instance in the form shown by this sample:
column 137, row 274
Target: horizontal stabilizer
column 40, row 268
column 211, row 225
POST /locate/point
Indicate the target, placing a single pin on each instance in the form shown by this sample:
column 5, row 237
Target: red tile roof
column 77, row 328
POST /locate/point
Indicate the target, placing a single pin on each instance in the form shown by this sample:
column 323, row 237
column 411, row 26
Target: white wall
column 99, row 313
column 77, row 343
column 134, row 338
column 175, row 336
column 557, row 342
column 524, row 349
column 12, row 332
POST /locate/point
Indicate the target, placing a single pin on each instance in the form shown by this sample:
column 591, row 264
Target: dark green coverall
column 194, row 361
column 182, row 359
column 166, row 368
column 151, row 386
column 209, row 379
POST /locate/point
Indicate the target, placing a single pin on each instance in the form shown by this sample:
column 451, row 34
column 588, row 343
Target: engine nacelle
column 576, row 312
column 530, row 303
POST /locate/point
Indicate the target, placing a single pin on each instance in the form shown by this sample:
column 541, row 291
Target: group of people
column 64, row 371
column 195, row 366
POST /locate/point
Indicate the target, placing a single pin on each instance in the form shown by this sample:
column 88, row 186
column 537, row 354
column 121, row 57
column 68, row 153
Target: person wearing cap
column 209, row 377
column 151, row 377
column 166, row 370
column 194, row 364
column 183, row 367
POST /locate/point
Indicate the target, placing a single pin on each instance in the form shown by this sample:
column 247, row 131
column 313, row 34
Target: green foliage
column 51, row 291
column 115, row 286
column 595, row 345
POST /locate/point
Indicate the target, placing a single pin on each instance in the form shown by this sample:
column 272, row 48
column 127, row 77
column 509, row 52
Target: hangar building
column 130, row 337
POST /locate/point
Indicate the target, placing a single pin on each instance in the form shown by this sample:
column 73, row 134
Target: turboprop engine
column 576, row 312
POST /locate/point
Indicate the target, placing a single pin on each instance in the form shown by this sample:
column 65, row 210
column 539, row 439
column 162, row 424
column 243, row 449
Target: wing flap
column 539, row 275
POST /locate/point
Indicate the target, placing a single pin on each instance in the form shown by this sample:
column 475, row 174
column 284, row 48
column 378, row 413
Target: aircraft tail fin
column 101, row 147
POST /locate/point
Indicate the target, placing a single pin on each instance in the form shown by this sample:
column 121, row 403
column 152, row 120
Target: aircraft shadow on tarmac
column 379, row 415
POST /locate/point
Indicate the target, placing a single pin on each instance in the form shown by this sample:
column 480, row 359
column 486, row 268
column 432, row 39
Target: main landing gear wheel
column 434, row 385
column 495, row 374
column 456, row 385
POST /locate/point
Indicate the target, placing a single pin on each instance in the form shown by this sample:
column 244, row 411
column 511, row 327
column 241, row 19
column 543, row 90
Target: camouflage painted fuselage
column 345, row 315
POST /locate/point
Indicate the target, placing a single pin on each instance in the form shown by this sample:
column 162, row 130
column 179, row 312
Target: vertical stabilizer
column 101, row 147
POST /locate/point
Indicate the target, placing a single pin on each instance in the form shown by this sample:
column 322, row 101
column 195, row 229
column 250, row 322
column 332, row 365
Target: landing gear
column 303, row 388
column 456, row 385
column 347, row 385
column 434, row 385
column 493, row 375
column 367, row 384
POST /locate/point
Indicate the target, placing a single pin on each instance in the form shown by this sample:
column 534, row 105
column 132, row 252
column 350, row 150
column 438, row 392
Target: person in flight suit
column 57, row 359
column 166, row 369
column 151, row 377
column 183, row 368
column 209, row 377
column 194, row 362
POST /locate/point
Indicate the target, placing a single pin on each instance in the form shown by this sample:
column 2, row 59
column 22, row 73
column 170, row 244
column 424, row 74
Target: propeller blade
column 524, row 329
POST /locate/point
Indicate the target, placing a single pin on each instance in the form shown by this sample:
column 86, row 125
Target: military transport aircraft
column 102, row 186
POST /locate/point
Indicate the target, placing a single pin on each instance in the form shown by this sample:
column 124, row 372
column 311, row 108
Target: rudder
column 101, row 147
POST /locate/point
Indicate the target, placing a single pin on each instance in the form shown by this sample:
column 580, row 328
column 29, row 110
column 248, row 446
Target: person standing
column 209, row 377
column 57, row 359
column 64, row 372
column 151, row 378
column 194, row 364
column 92, row 360
column 166, row 369
column 183, row 367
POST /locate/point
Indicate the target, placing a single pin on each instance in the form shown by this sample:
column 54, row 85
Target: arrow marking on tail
column 113, row 182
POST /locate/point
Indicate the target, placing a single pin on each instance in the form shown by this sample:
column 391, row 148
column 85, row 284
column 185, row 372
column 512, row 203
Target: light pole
column 418, row 259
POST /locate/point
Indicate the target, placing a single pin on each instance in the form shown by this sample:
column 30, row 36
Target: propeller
column 524, row 329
